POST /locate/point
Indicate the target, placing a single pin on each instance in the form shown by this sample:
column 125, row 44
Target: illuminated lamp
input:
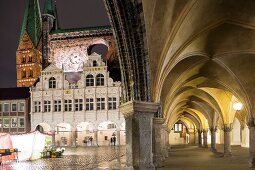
column 237, row 106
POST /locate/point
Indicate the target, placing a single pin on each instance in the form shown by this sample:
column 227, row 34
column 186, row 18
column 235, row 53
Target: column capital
column 158, row 120
column 227, row 127
column 205, row 130
column 166, row 128
column 213, row 129
column 131, row 107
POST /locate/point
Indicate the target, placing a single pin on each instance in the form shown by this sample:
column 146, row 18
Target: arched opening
column 106, row 130
column 63, row 134
column 86, row 136
column 39, row 128
column 99, row 49
column 236, row 133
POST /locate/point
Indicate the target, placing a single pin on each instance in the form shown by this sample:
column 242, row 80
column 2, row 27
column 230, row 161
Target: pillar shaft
column 138, row 116
column 252, row 143
column 213, row 138
column 199, row 132
column 158, row 142
column 227, row 142
column 95, row 140
column 118, row 137
column 205, row 138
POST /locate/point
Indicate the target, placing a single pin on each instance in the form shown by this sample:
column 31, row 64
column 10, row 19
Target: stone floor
column 193, row 158
column 80, row 158
column 181, row 157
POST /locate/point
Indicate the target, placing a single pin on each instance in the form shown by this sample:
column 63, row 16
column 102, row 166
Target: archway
column 63, row 135
column 106, row 130
column 236, row 133
column 85, row 132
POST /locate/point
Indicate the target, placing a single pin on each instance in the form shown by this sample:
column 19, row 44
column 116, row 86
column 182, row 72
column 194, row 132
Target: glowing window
column 178, row 127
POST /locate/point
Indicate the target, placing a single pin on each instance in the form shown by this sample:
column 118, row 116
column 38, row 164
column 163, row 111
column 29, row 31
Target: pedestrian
column 91, row 140
column 111, row 141
column 114, row 140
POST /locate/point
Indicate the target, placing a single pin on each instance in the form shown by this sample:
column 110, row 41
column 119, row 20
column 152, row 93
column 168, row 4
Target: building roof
column 49, row 8
column 32, row 23
column 14, row 93
column 81, row 29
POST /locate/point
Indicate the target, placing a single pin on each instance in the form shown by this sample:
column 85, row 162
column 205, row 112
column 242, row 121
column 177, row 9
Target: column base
column 165, row 152
column 140, row 168
column 213, row 150
column 252, row 162
column 158, row 161
column 229, row 154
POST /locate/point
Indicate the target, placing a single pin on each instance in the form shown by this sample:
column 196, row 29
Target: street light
column 237, row 106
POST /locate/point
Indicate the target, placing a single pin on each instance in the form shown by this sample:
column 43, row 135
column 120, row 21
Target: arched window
column 23, row 73
column 89, row 80
column 100, row 80
column 94, row 63
column 52, row 83
column 30, row 59
column 30, row 73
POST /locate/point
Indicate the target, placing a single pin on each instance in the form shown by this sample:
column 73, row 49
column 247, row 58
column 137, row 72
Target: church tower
column 29, row 52
column 50, row 22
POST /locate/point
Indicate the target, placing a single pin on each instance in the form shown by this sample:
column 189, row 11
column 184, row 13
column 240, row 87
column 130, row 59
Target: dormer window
column 52, row 83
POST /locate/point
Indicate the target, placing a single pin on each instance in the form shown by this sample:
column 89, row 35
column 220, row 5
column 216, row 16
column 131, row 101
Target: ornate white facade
column 74, row 111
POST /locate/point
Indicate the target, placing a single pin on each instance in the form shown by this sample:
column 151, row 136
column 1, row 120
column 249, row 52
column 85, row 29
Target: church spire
column 32, row 23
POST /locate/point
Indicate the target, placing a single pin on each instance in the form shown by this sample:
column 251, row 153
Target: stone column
column 138, row 116
column 158, row 143
column 53, row 142
column 95, row 137
column 205, row 131
column 227, row 145
column 199, row 132
column 166, row 140
column 252, row 143
column 192, row 137
column 118, row 137
column 73, row 137
column 213, row 138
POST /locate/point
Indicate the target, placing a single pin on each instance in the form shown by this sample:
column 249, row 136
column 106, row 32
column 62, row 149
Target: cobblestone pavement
column 80, row 158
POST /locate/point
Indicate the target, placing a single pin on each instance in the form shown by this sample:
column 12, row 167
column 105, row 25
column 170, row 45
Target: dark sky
column 71, row 13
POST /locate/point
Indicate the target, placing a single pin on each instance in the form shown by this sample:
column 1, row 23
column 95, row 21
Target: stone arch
column 236, row 132
column 63, row 135
column 43, row 127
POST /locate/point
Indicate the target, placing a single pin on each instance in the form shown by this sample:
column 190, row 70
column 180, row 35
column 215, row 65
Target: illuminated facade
column 76, row 111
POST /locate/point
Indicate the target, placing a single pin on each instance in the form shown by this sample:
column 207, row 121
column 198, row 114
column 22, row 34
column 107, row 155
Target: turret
column 49, row 18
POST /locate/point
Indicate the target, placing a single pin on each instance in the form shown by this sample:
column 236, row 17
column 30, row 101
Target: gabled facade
column 76, row 111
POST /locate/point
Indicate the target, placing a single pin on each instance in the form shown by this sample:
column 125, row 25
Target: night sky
column 71, row 13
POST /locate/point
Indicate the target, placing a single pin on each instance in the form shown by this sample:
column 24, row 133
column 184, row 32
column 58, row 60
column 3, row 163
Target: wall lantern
column 237, row 106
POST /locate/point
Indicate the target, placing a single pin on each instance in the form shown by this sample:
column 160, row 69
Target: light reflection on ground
column 79, row 158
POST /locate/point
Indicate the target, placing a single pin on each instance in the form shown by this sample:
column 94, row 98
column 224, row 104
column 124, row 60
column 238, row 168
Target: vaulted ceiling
column 202, row 57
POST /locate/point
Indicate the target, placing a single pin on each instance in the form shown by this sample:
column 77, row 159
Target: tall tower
column 29, row 52
column 49, row 19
